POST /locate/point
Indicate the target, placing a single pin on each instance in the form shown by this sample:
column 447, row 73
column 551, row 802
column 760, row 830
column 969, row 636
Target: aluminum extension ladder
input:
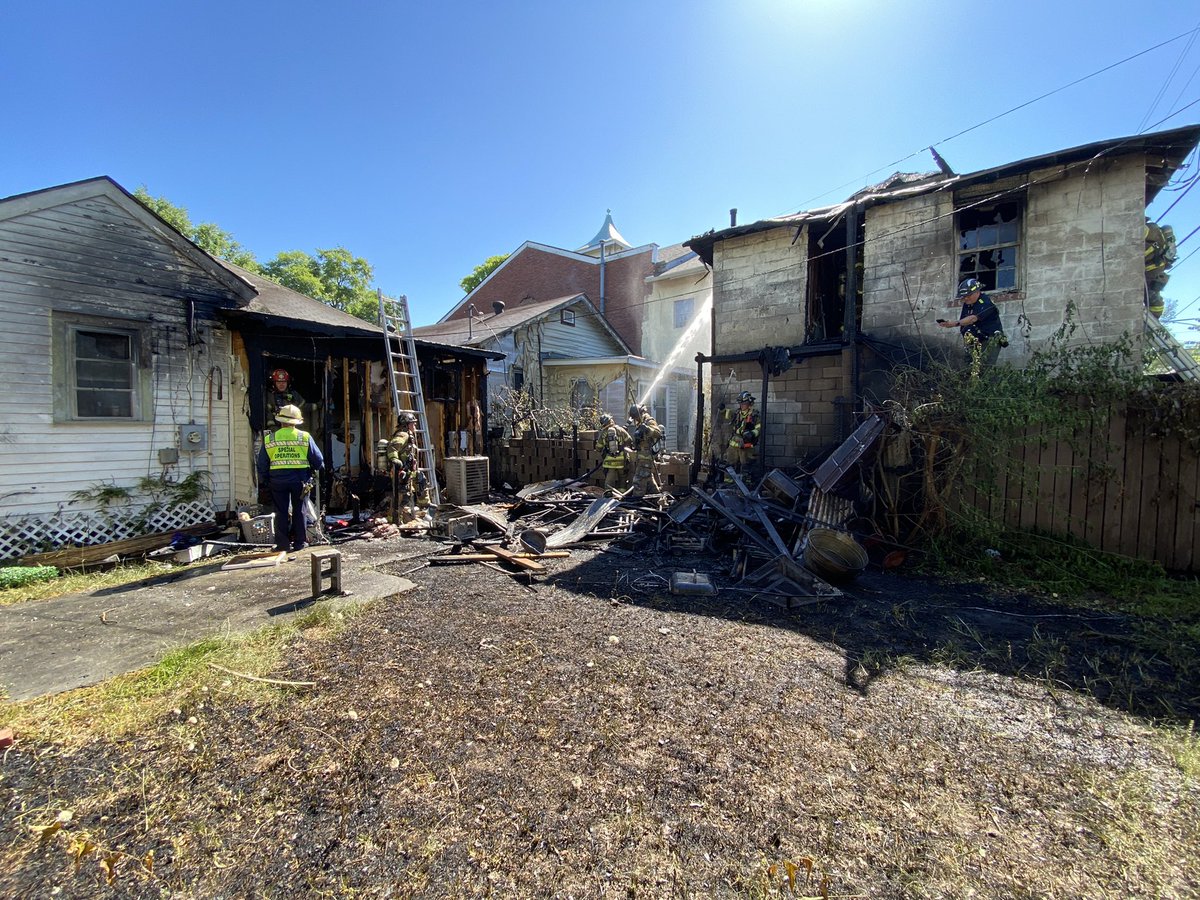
column 1173, row 352
column 405, row 377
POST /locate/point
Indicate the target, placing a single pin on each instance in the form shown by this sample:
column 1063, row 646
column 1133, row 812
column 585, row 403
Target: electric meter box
column 193, row 438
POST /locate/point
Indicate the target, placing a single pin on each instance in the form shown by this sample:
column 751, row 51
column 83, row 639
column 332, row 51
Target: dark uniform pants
column 290, row 530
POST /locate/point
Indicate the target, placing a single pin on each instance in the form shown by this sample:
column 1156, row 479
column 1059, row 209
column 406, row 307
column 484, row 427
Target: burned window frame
column 981, row 254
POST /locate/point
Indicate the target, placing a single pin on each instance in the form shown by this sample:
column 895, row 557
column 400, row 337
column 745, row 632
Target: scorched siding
column 91, row 258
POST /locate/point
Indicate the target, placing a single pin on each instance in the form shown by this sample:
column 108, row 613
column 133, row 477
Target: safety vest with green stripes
column 287, row 448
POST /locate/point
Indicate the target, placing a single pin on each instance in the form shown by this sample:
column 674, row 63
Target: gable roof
column 1165, row 153
column 473, row 331
column 535, row 247
column 103, row 186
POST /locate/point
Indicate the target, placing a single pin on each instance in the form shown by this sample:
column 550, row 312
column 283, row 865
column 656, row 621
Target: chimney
column 497, row 306
column 733, row 218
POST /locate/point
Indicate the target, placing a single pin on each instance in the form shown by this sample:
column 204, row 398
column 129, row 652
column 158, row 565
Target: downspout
column 541, row 372
column 601, row 277
column 698, row 440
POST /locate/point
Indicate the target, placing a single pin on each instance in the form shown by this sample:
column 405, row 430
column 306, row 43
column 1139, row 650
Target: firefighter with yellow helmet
column 742, row 449
column 613, row 441
column 403, row 456
column 646, row 435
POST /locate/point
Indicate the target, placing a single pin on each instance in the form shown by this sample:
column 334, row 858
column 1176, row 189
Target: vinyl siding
column 92, row 258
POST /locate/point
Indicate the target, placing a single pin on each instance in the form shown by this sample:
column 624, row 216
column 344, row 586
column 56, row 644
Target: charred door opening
column 825, row 310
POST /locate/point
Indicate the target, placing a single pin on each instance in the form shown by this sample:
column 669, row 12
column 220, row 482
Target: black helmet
column 407, row 418
column 605, row 419
column 636, row 411
column 745, row 397
column 968, row 286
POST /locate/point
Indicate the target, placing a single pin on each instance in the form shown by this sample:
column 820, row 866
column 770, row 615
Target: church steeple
column 607, row 234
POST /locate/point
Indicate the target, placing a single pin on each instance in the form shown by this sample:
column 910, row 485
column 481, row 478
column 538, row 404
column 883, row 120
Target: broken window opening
column 989, row 241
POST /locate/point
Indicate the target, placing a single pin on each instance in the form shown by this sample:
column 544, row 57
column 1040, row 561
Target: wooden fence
column 528, row 460
column 1118, row 487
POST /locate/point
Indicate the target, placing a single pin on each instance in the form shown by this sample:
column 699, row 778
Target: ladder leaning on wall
column 405, row 378
column 1169, row 348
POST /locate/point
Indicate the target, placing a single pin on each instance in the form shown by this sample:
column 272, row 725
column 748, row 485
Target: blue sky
column 427, row 137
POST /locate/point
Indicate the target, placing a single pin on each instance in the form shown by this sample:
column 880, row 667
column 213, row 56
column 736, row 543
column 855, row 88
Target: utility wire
column 1192, row 33
column 1167, row 81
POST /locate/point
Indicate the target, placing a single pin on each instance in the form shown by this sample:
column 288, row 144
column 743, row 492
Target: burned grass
column 598, row 737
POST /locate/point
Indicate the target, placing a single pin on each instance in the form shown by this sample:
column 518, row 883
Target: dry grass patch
column 474, row 739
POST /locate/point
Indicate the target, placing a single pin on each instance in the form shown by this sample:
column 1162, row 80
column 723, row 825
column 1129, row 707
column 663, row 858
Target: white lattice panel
column 22, row 536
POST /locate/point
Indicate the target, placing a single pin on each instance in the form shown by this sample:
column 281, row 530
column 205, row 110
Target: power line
column 1191, row 32
column 1167, row 81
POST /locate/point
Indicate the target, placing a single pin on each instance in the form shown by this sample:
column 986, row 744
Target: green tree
column 482, row 271
column 207, row 236
column 334, row 276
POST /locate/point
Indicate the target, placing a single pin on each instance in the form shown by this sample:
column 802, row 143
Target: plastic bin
column 259, row 529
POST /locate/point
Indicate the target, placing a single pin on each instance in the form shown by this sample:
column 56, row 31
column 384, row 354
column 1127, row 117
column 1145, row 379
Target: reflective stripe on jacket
column 287, row 448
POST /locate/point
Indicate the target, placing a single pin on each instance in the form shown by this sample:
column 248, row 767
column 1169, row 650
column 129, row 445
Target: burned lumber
column 75, row 557
column 760, row 514
column 517, row 559
column 734, row 519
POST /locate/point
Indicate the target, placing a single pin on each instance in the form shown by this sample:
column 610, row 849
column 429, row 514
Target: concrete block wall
column 802, row 409
column 910, row 270
column 1084, row 242
column 801, row 412
column 759, row 280
column 1081, row 240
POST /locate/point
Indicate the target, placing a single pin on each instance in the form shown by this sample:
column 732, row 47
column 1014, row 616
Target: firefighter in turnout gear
column 403, row 457
column 286, row 464
column 742, row 449
column 613, row 441
column 1161, row 250
column 282, row 392
column 647, row 436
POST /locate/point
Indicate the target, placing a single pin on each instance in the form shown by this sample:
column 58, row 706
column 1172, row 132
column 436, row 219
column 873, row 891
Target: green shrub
column 19, row 576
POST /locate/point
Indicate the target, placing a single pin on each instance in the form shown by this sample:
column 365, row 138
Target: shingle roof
column 483, row 328
column 276, row 300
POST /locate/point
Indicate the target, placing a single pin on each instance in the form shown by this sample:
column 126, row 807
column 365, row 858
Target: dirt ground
column 592, row 735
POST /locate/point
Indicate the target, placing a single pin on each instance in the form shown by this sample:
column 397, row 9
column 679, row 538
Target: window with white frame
column 683, row 312
column 989, row 242
column 99, row 370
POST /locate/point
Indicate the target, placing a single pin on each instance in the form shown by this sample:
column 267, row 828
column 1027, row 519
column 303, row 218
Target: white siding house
column 115, row 366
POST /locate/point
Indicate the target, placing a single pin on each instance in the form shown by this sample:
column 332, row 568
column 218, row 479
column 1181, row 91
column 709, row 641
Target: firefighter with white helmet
column 286, row 463
column 613, row 441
